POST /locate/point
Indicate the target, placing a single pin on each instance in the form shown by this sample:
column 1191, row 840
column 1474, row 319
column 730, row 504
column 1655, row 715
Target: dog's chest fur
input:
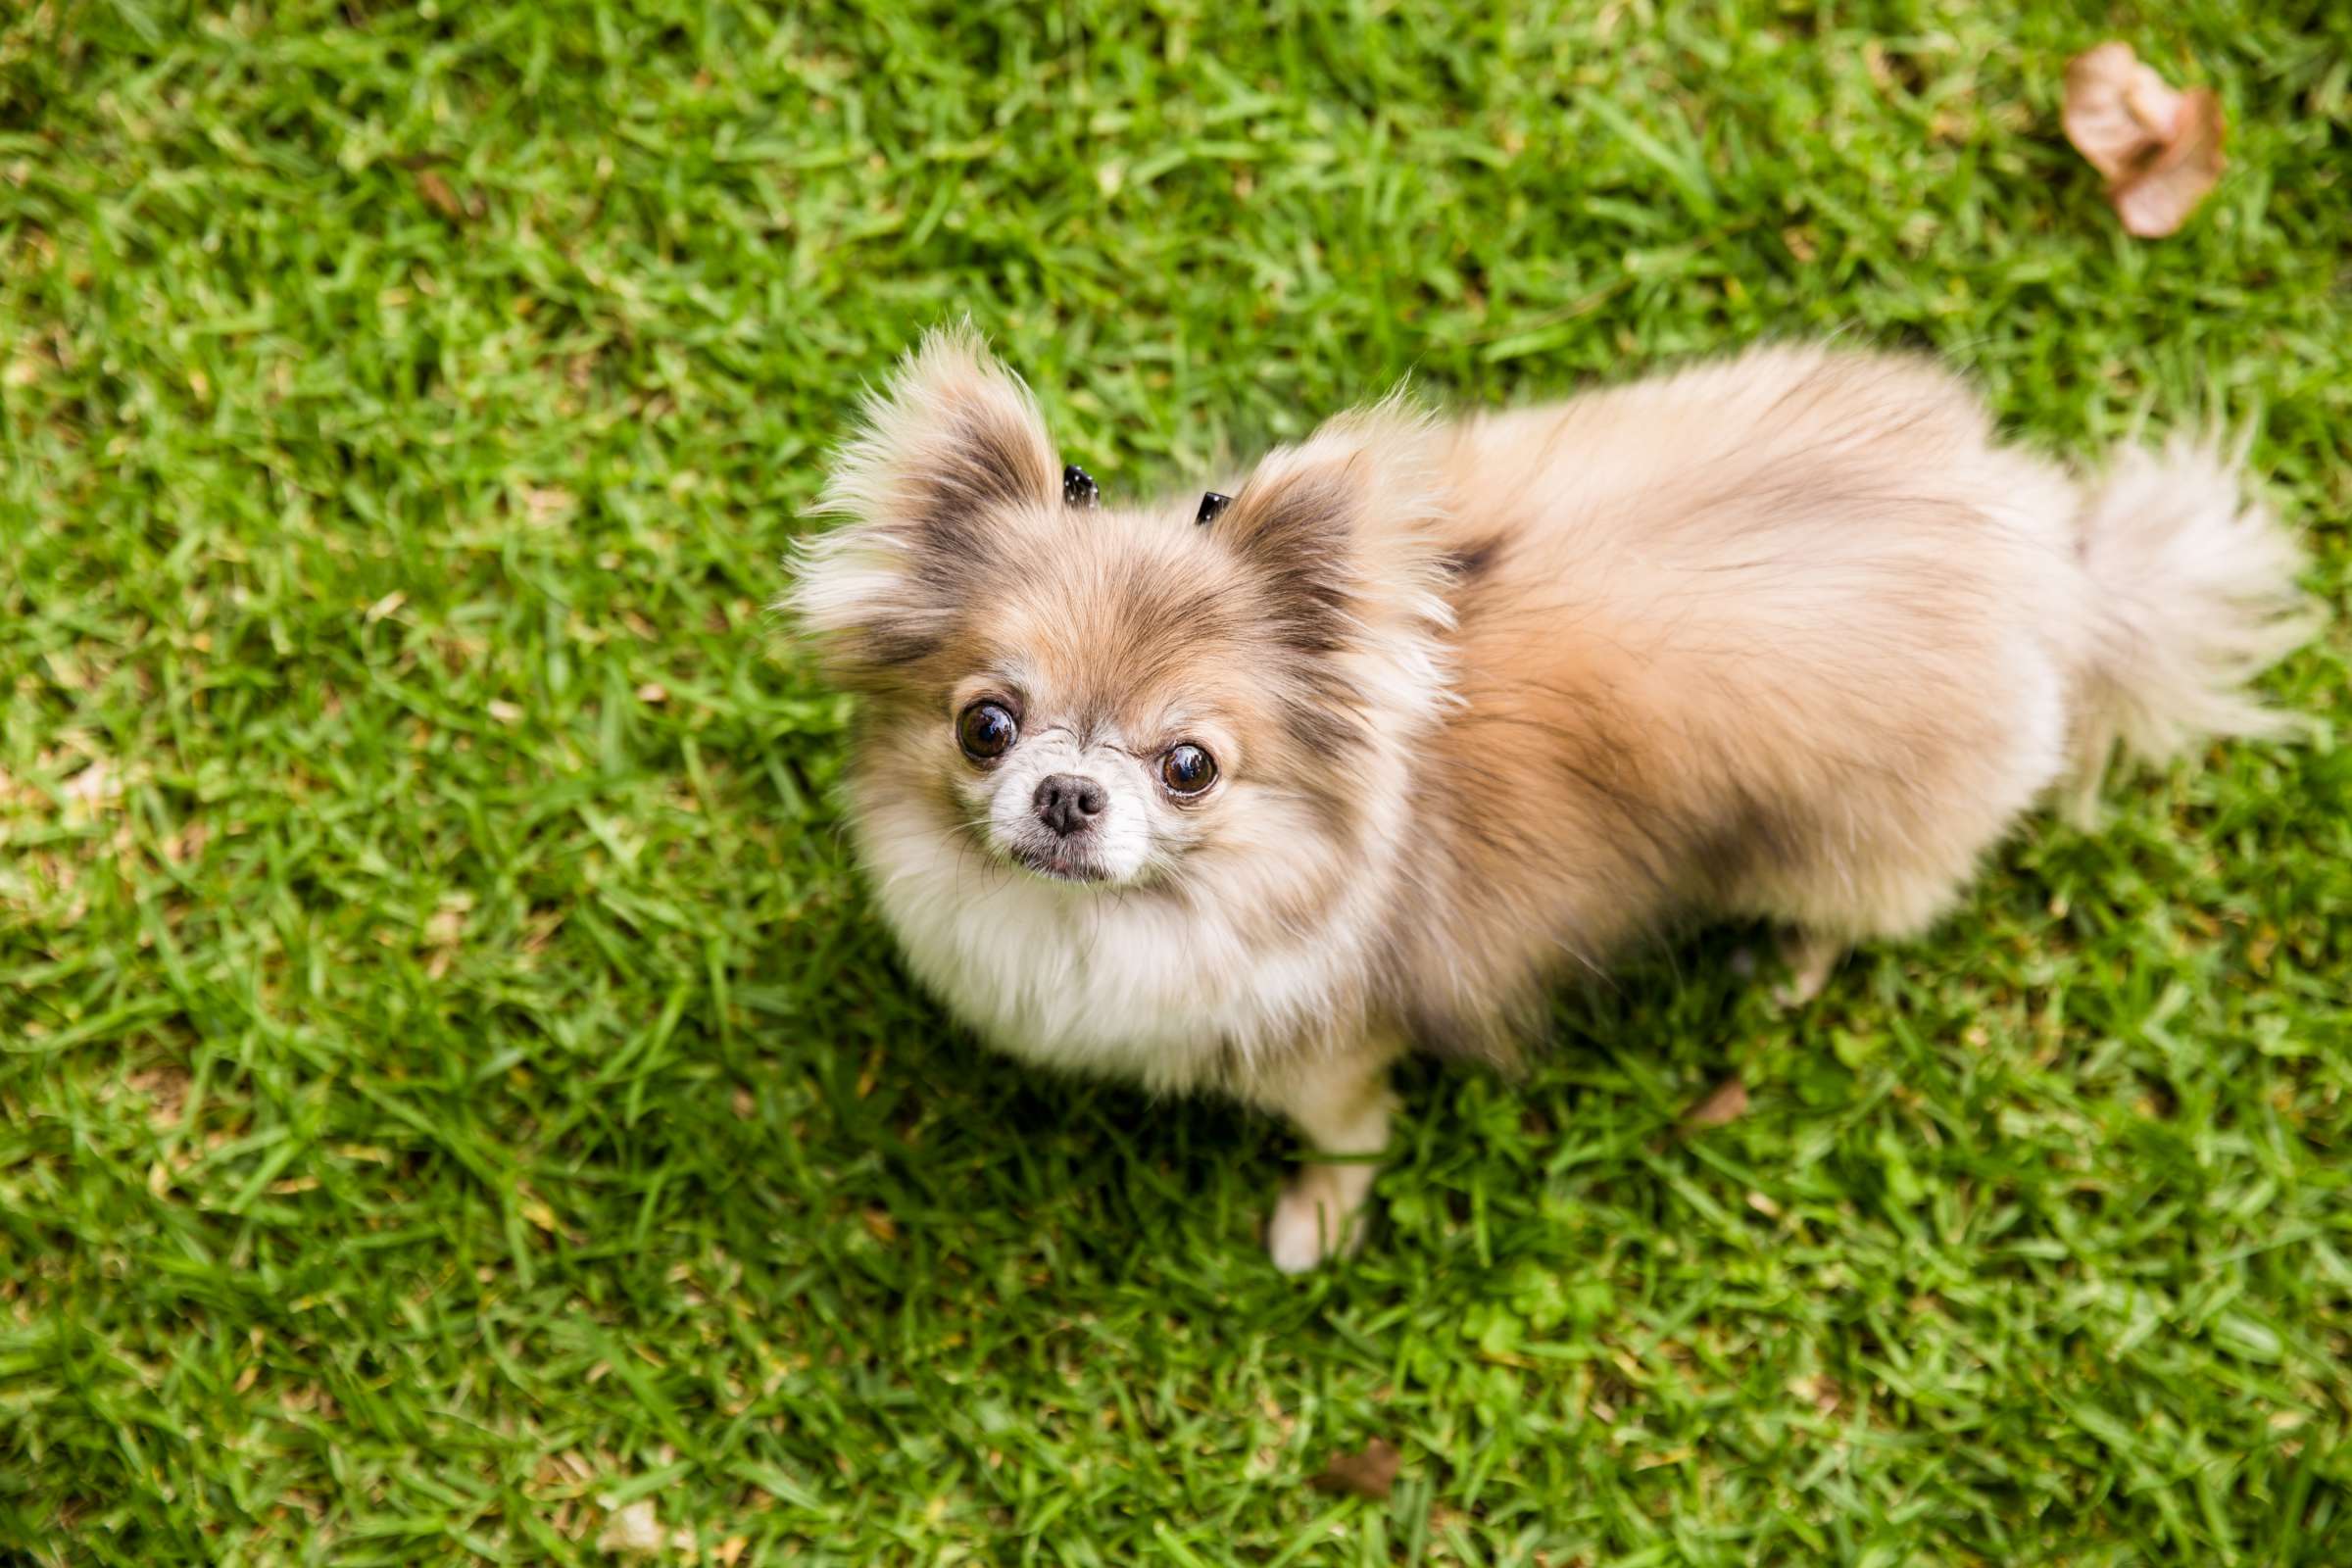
column 1133, row 987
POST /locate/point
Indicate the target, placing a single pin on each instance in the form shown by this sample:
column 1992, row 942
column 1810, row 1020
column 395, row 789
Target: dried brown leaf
column 2160, row 200
column 1727, row 1101
column 1369, row 1473
column 439, row 195
column 2160, row 148
column 2116, row 110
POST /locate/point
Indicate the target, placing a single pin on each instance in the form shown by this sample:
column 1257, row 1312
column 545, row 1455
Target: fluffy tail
column 2194, row 596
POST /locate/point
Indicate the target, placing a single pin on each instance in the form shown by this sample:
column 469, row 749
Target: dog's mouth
column 1059, row 865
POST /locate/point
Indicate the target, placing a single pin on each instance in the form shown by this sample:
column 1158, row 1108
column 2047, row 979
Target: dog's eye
column 1187, row 770
column 987, row 731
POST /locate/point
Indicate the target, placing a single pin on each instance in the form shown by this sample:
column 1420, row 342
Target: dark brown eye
column 987, row 731
column 1187, row 770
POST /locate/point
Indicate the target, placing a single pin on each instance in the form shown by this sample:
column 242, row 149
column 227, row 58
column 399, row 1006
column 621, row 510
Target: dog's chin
column 1074, row 867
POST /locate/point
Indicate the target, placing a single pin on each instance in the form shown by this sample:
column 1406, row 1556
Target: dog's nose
column 1068, row 804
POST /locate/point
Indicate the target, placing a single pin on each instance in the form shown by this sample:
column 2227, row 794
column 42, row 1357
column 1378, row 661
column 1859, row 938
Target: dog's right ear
column 952, row 437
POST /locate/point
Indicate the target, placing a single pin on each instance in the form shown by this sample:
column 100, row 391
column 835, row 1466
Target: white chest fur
column 1127, row 984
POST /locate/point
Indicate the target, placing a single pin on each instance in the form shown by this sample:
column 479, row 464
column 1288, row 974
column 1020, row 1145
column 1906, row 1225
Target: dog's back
column 1787, row 636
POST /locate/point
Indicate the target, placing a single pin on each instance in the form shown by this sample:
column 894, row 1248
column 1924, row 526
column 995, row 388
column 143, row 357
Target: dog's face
column 1110, row 773
column 1111, row 698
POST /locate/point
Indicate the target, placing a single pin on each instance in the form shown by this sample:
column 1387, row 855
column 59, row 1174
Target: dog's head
column 1115, row 697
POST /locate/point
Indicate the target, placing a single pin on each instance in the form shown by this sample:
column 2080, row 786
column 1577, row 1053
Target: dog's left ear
column 1338, row 530
column 951, row 437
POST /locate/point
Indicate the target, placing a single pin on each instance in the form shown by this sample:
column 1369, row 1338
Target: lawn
column 452, row 1088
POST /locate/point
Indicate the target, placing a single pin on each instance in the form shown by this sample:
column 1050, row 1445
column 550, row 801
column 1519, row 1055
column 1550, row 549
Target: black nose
column 1068, row 804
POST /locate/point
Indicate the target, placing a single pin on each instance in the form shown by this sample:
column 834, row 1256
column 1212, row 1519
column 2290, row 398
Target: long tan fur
column 1791, row 636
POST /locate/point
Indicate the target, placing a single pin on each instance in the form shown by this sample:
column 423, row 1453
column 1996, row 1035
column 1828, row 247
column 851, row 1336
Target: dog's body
column 1787, row 637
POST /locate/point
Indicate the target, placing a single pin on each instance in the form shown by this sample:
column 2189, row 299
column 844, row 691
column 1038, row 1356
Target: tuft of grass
column 452, row 1088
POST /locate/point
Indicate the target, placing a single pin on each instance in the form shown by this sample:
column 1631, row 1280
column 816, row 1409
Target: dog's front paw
column 1811, row 959
column 1319, row 1215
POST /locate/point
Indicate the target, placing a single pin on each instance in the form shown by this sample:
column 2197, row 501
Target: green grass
column 453, row 1085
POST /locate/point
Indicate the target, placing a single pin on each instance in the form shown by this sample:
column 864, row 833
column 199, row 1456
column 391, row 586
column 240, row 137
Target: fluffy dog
column 1251, row 792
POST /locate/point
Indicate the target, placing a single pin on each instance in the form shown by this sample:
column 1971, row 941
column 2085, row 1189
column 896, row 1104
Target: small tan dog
column 1251, row 794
